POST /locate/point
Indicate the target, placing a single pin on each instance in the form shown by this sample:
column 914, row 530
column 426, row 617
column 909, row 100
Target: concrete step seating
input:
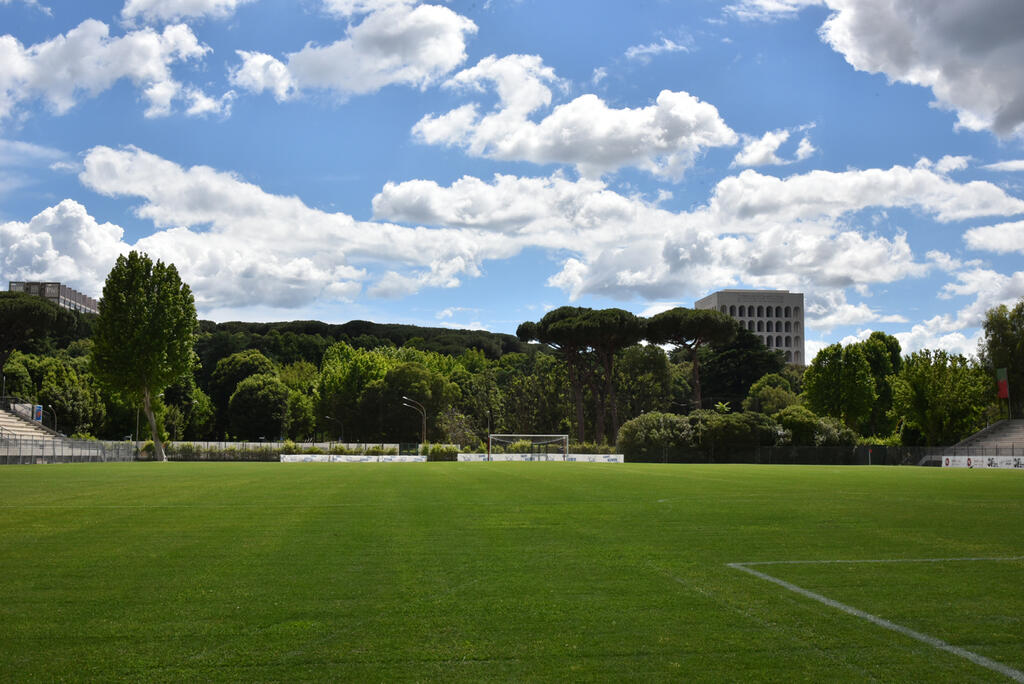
column 1004, row 434
column 11, row 426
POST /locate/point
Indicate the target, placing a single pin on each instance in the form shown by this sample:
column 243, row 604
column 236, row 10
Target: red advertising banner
column 1003, row 383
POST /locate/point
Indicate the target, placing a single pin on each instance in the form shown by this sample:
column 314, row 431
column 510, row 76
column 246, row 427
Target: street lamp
column 342, row 436
column 54, row 414
column 417, row 406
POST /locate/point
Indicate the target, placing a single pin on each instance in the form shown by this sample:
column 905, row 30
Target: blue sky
column 476, row 163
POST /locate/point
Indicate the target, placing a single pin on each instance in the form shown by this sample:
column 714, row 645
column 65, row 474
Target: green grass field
column 489, row 571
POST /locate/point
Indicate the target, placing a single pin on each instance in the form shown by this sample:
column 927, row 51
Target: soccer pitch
column 510, row 571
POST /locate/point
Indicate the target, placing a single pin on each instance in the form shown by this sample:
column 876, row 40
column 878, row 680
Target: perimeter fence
column 813, row 455
column 16, row 450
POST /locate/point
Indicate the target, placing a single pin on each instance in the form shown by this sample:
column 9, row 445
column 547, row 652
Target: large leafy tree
column 563, row 329
column 1003, row 347
column 729, row 369
column 882, row 353
column 230, row 371
column 944, row 396
column 609, row 331
column 145, row 333
column 28, row 323
column 839, row 383
column 691, row 329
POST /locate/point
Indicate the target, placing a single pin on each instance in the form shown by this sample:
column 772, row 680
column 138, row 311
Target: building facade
column 775, row 316
column 59, row 294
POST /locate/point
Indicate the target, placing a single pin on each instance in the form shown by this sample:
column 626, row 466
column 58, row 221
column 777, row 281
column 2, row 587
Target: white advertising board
column 578, row 458
column 338, row 458
column 1015, row 462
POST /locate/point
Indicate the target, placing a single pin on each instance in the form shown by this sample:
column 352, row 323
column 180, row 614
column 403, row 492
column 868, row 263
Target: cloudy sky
column 474, row 163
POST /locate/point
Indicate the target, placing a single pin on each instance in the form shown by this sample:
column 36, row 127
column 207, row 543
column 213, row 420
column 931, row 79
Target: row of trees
column 576, row 370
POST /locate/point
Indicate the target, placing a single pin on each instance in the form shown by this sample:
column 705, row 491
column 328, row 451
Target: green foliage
column 691, row 329
column 19, row 381
column 770, row 394
column 232, row 370
column 144, row 336
column 1003, row 347
column 943, row 396
column 839, row 383
column 804, row 428
column 36, row 325
column 442, row 452
column 651, row 435
column 715, row 430
column 882, row 353
column 259, row 408
column 728, row 369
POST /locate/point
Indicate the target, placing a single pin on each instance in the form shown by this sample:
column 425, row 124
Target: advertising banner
column 1016, row 462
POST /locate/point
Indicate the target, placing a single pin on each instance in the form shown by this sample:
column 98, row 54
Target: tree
column 609, row 331
column 942, row 395
column 728, row 369
column 653, row 436
column 230, row 371
column 561, row 329
column 259, row 408
column 145, row 333
column 27, row 321
column 838, row 383
column 770, row 394
column 691, row 329
column 1003, row 347
column 882, row 353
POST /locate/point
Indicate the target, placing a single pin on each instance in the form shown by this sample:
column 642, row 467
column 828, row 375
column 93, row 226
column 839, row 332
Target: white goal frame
column 536, row 439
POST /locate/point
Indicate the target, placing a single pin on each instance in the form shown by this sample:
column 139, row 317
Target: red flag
column 1003, row 383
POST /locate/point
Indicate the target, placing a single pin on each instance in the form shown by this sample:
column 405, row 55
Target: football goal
column 530, row 447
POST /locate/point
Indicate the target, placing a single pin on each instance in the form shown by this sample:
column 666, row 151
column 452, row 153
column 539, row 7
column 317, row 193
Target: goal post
column 537, row 444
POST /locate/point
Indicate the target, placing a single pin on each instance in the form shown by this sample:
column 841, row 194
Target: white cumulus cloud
column 173, row 10
column 664, row 138
column 87, row 61
column 395, row 44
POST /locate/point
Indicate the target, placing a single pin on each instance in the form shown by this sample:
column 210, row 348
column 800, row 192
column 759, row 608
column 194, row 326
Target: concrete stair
column 1002, row 435
column 12, row 426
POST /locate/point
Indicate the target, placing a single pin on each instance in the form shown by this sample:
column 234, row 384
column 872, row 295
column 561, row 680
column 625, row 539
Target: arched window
column 778, row 341
column 778, row 312
column 743, row 311
column 768, row 326
column 750, row 326
column 768, row 341
column 760, row 326
column 789, row 341
column 796, row 326
column 724, row 309
column 760, row 311
column 796, row 357
column 789, row 357
column 796, row 312
column 788, row 312
column 732, row 310
column 789, row 326
column 796, row 341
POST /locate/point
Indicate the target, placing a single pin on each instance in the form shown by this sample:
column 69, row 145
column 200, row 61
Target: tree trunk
column 696, row 379
column 577, row 395
column 147, row 408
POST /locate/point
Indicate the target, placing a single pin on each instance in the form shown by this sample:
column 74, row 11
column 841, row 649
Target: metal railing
column 29, row 450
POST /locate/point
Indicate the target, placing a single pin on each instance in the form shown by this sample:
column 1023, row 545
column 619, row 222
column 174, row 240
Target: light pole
column 342, row 436
column 54, row 414
column 417, row 406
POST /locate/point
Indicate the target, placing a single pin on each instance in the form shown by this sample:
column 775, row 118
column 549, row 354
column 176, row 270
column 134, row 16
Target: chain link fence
column 16, row 450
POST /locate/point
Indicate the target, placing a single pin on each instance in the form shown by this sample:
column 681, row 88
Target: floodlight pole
column 54, row 414
column 342, row 437
column 417, row 406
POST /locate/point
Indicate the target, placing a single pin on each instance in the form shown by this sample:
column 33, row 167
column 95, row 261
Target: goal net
column 529, row 447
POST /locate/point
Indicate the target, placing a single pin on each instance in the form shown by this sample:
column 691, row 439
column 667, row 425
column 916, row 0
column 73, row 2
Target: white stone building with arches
column 775, row 316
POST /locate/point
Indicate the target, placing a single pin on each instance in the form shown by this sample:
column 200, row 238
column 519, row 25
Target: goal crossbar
column 533, row 438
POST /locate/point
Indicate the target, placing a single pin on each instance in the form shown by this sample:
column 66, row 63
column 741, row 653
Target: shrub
column 442, row 452
column 652, row 435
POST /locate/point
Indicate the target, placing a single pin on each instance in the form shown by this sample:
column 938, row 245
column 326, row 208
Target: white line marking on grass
column 1015, row 675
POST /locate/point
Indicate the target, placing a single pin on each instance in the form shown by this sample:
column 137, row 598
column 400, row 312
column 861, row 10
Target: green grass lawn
column 493, row 571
